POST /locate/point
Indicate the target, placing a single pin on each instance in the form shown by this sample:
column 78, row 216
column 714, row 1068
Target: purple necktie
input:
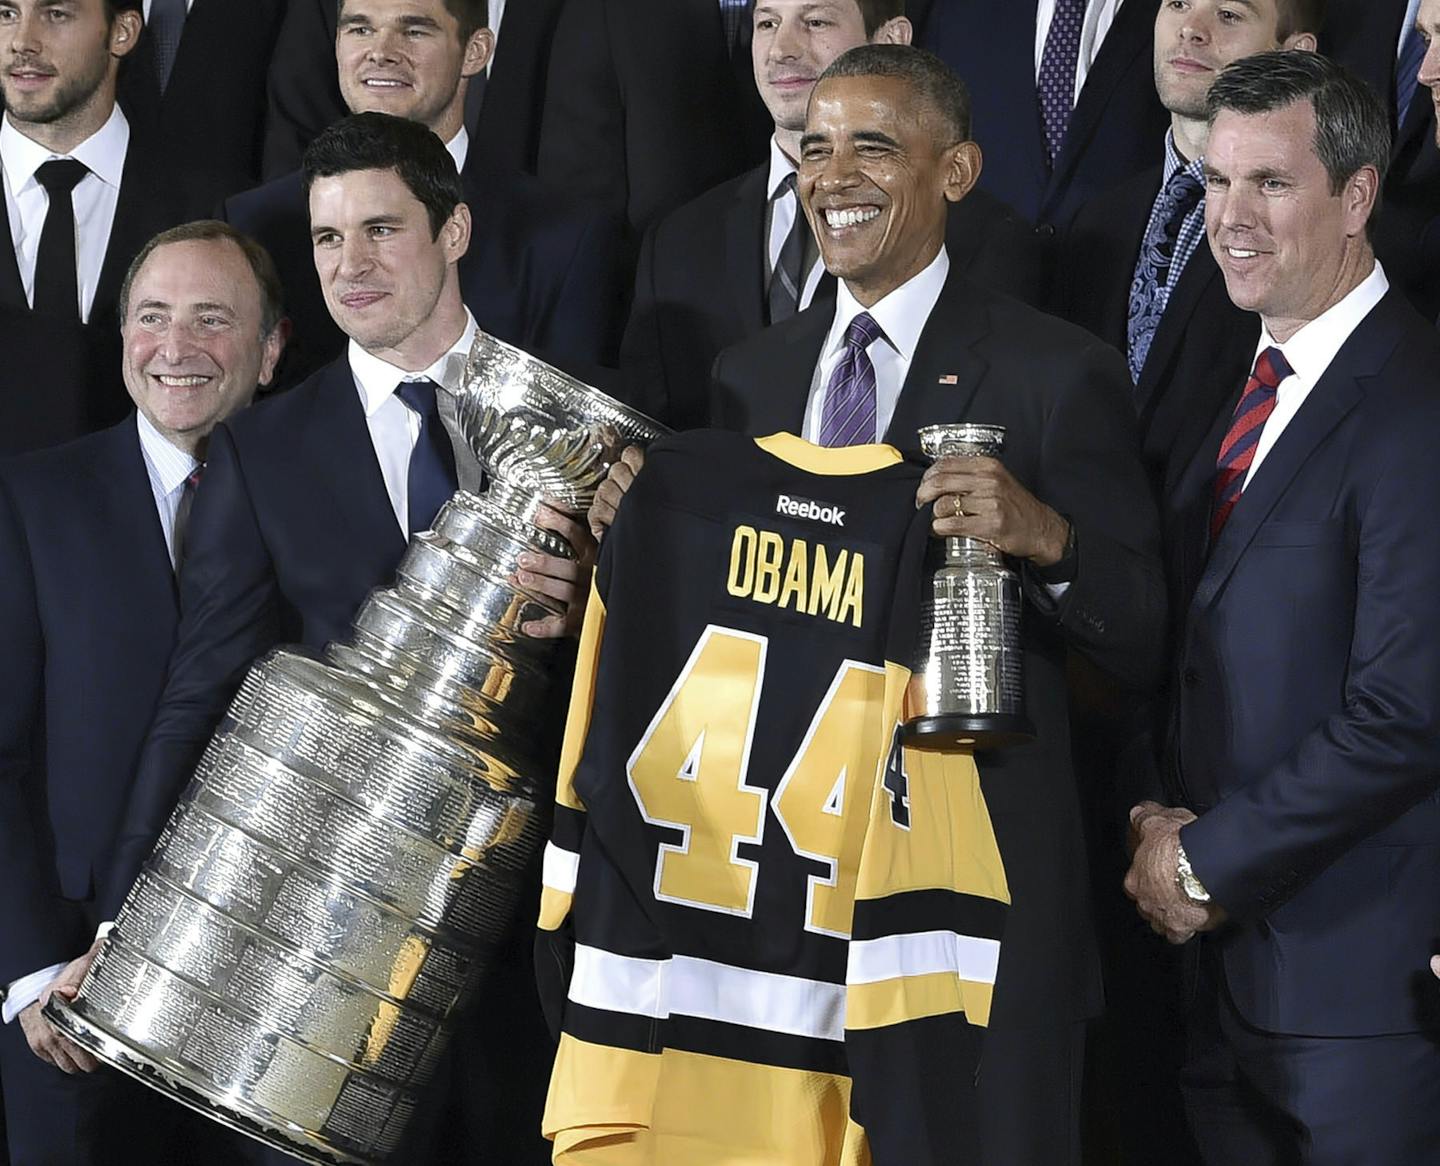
column 848, row 415
column 1056, row 85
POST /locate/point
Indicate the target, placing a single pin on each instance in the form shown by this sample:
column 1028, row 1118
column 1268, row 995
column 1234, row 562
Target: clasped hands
column 1154, row 842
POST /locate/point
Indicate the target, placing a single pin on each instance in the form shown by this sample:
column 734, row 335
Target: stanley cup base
column 969, row 731
column 106, row 1047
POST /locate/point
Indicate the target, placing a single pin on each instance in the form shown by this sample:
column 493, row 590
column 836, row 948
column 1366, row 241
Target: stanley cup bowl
column 350, row 850
column 967, row 677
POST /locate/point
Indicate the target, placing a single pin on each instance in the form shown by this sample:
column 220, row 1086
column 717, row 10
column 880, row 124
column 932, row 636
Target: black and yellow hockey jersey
column 784, row 927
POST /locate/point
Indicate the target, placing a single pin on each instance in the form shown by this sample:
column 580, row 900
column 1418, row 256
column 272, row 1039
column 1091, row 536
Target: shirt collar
column 170, row 464
column 901, row 315
column 459, row 147
column 377, row 379
column 1312, row 349
column 780, row 168
column 1175, row 161
column 103, row 152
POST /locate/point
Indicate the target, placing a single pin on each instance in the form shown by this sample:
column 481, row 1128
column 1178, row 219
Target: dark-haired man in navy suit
column 540, row 272
column 90, row 534
column 308, row 502
column 1302, row 752
column 1064, row 95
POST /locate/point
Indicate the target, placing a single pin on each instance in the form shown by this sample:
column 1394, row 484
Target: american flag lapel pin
column 949, row 379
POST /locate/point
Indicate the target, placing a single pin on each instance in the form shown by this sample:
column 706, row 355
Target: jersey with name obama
column 770, row 904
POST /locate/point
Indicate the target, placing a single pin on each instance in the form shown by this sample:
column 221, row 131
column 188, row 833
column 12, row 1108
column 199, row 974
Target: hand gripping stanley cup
column 967, row 680
column 352, row 845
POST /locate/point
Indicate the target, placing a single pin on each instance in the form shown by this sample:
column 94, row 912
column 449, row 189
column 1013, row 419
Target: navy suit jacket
column 540, row 273
column 1070, row 440
column 291, row 529
column 1118, row 125
column 701, row 286
column 87, row 621
column 1306, row 726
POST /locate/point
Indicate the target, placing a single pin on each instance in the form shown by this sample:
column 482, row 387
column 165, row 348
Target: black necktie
column 431, row 478
column 166, row 23
column 785, row 280
column 55, row 281
column 182, row 513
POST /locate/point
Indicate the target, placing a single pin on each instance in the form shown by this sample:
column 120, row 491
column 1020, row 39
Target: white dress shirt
column 394, row 426
column 459, row 147
column 1099, row 16
column 1310, row 352
column 190, row 4
column 901, row 315
column 167, row 467
column 497, row 14
column 94, row 199
column 781, row 213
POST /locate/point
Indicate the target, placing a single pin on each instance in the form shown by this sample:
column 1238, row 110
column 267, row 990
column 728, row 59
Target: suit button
column 1190, row 677
column 1046, row 230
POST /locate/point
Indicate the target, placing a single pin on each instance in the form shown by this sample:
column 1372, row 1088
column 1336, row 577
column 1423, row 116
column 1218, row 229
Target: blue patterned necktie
column 431, row 477
column 732, row 18
column 166, row 24
column 1056, row 85
column 848, row 415
column 1150, row 289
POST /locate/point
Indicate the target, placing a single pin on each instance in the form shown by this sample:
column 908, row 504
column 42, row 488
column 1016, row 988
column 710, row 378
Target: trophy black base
column 969, row 731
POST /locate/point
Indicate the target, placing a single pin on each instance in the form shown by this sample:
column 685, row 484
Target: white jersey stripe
column 924, row 953
column 559, row 869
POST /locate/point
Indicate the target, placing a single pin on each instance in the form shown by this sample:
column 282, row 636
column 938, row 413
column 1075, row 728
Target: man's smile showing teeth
column 385, row 83
column 850, row 218
column 189, row 382
column 1239, row 253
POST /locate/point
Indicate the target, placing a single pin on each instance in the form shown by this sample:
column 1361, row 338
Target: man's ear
column 963, row 170
column 455, row 233
column 125, row 31
column 894, row 32
column 1305, row 41
column 478, row 51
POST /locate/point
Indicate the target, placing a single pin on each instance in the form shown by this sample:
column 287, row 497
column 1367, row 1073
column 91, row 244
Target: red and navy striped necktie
column 1237, row 451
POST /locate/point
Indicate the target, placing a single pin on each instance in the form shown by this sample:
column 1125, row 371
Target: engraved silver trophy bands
column 967, row 684
column 351, row 847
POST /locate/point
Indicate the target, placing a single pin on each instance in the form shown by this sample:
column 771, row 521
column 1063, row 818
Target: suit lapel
column 135, row 210
column 1200, row 272
column 12, row 290
column 778, row 398
column 946, row 370
column 744, row 265
column 338, row 448
column 134, row 542
column 1338, row 392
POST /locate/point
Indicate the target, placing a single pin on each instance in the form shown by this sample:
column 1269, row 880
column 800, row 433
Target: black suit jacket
column 701, row 286
column 504, row 120
column 540, row 273
column 1118, row 124
column 87, row 620
column 61, row 380
column 1070, row 440
column 643, row 108
column 1306, row 721
column 212, row 113
column 1203, row 348
column 1364, row 35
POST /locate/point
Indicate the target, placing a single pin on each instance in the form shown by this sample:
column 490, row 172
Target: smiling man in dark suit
column 82, row 194
column 909, row 342
column 308, row 503
column 1064, row 100
column 90, row 536
column 742, row 256
column 539, row 273
column 1302, row 840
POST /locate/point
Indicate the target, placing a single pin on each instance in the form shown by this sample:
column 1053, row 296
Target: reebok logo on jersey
column 804, row 508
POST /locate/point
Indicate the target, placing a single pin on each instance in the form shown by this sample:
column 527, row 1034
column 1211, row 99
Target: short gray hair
column 933, row 80
column 1352, row 127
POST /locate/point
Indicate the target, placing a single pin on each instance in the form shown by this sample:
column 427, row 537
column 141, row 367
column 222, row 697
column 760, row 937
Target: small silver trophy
column 353, row 844
column 967, row 683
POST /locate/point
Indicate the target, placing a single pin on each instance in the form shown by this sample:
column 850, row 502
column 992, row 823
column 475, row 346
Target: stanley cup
column 353, row 844
column 967, row 679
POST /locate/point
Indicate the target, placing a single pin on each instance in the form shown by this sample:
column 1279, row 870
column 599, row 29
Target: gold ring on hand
column 959, row 511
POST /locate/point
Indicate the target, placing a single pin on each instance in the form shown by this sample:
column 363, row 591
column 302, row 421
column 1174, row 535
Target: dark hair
column 1352, row 127
column 878, row 12
column 933, row 80
column 378, row 141
column 469, row 14
column 114, row 7
column 272, row 307
column 1299, row 16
